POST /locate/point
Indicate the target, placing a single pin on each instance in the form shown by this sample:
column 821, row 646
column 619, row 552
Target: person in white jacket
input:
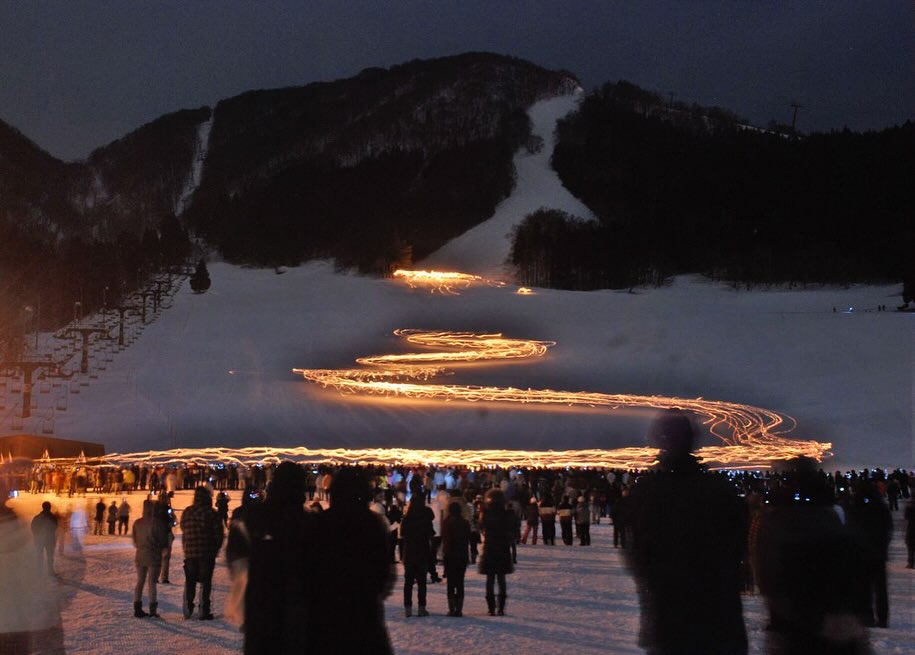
column 29, row 619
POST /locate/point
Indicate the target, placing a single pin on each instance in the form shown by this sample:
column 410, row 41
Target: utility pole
column 146, row 293
column 121, row 310
column 85, row 332
column 794, row 116
column 28, row 368
column 157, row 294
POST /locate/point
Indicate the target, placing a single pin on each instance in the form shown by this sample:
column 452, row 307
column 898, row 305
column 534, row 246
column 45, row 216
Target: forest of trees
column 366, row 169
column 678, row 193
column 372, row 171
column 41, row 282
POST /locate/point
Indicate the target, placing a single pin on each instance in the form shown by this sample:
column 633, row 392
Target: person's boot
column 459, row 606
column 188, row 609
column 422, row 611
column 138, row 610
column 491, row 605
column 205, row 613
column 153, row 607
column 501, row 610
column 408, row 611
column 450, row 606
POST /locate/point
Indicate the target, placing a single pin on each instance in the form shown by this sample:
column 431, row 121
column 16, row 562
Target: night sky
column 75, row 75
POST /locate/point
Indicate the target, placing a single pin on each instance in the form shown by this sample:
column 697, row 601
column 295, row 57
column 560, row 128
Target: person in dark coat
column 222, row 508
column 202, row 536
column 149, row 538
column 687, row 543
column 44, row 536
column 353, row 571
column 565, row 514
column 112, row 517
column 97, row 525
column 497, row 527
column 620, row 516
column 164, row 513
column 456, row 554
column 910, row 533
column 416, row 532
column 275, row 537
column 548, row 519
column 872, row 523
column 810, row 569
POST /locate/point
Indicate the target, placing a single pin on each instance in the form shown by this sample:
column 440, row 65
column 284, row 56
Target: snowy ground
column 561, row 600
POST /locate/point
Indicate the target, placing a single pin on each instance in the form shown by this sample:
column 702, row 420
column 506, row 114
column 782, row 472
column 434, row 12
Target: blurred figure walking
column 687, row 542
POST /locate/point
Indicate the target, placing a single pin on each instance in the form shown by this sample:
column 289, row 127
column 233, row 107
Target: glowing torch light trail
column 749, row 436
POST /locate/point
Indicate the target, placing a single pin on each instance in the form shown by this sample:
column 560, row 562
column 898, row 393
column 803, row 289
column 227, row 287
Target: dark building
column 33, row 447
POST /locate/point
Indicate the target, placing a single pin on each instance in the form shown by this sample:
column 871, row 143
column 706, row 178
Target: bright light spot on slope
column 443, row 281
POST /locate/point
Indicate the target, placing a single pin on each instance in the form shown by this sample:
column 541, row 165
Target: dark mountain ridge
column 368, row 170
column 681, row 189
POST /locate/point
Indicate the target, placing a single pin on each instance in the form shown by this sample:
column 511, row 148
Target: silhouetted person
column 620, row 516
column 809, row 569
column 275, row 537
column 149, row 538
column 201, row 537
column 548, row 520
column 353, row 571
column 455, row 555
column 687, row 542
column 565, row 514
column 497, row 527
column 416, row 532
column 44, row 535
column 910, row 533
column 163, row 513
column 871, row 522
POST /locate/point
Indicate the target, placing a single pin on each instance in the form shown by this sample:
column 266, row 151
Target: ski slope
column 216, row 369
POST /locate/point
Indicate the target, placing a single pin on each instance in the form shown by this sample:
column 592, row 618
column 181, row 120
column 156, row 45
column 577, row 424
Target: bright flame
column 524, row 291
column 750, row 436
column 441, row 281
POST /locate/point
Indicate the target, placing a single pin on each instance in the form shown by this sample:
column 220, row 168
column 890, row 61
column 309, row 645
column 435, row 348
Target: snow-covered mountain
column 215, row 369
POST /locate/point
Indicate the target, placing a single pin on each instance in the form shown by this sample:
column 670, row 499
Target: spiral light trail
column 749, row 436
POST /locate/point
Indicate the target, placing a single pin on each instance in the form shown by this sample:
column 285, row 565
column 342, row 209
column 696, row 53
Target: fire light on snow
column 444, row 282
column 749, row 436
column 441, row 281
column 524, row 291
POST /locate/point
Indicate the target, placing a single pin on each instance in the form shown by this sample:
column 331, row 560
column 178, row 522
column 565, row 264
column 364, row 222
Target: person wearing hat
column 202, row 536
column 688, row 533
column 149, row 538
